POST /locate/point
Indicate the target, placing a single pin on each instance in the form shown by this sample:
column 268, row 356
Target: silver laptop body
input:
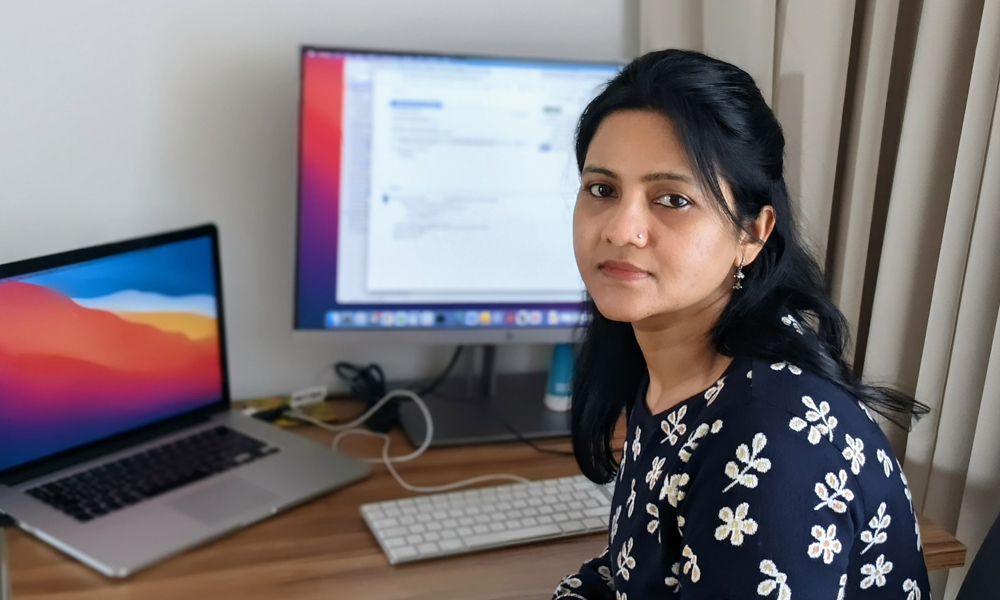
column 286, row 471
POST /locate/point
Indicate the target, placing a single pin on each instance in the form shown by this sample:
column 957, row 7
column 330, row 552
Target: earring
column 739, row 275
column 640, row 236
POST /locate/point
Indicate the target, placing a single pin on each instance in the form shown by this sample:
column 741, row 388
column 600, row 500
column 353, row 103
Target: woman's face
column 649, row 241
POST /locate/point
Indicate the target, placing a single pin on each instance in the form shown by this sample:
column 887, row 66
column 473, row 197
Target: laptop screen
column 100, row 347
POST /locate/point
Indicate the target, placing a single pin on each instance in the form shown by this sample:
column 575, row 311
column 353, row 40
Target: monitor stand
column 486, row 407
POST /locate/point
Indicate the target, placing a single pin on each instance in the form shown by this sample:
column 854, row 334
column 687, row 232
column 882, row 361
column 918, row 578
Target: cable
column 351, row 429
column 437, row 381
column 368, row 384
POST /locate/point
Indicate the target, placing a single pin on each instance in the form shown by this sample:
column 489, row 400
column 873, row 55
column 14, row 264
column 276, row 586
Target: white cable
column 351, row 429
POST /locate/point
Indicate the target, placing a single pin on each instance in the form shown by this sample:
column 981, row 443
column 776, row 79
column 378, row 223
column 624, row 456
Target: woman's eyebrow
column 667, row 176
column 647, row 178
column 601, row 171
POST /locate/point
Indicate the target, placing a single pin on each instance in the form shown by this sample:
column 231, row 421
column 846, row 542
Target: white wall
column 120, row 118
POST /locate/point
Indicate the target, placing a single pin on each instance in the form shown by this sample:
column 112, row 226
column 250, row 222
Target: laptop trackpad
column 224, row 500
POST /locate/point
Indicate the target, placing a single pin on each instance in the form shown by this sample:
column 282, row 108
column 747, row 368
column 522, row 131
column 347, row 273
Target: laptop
column 117, row 442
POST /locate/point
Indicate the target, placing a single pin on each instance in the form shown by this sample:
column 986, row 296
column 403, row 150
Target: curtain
column 890, row 114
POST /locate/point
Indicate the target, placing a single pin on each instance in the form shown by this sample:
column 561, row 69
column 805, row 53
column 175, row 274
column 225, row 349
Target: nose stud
column 640, row 236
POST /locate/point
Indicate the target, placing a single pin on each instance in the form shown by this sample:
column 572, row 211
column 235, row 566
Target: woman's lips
column 622, row 271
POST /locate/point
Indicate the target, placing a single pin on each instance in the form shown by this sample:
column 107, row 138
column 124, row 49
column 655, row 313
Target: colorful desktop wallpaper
column 94, row 349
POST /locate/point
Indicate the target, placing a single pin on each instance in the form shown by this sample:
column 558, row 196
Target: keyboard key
column 573, row 526
column 405, row 552
column 449, row 545
column 507, row 536
column 428, row 548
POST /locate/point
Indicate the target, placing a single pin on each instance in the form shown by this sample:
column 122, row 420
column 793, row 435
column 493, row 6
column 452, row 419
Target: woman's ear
column 761, row 229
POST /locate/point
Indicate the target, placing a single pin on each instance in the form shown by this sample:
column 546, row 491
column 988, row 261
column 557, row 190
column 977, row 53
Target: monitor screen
column 101, row 347
column 438, row 191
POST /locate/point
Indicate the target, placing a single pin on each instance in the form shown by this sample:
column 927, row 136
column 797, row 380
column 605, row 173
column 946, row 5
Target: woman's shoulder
column 810, row 397
column 801, row 412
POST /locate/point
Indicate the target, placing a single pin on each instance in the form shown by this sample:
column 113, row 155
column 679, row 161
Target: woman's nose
column 628, row 224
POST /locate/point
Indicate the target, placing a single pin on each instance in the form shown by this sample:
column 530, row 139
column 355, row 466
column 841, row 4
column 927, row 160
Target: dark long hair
column 729, row 133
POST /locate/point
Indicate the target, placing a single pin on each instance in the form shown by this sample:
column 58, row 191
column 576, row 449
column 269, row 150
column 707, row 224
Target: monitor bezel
column 417, row 335
column 129, row 437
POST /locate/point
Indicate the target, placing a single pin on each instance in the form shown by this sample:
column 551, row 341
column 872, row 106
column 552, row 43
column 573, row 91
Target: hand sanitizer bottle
column 557, row 396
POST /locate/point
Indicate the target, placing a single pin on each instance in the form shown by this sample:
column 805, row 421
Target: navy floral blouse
column 771, row 482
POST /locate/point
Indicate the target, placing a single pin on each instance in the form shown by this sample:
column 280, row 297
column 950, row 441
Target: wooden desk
column 324, row 550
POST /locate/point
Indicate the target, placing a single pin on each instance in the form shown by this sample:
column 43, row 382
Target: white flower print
column 867, row 413
column 906, row 485
column 621, row 467
column 631, row 500
column 654, row 512
column 691, row 567
column 761, row 465
column 713, row 392
column 776, row 581
column 673, row 426
column 854, row 453
column 621, row 595
column 831, row 497
column 876, row 573
column 750, row 374
column 843, row 587
column 735, row 524
column 674, row 582
column 625, row 561
column 791, row 368
column 879, row 523
column 883, row 457
column 793, row 323
column 826, row 544
column 680, row 525
column 606, row 575
column 911, row 586
column 614, row 522
column 693, row 440
column 672, row 488
column 655, row 471
column 818, row 419
column 636, row 446
column 566, row 587
column 916, row 528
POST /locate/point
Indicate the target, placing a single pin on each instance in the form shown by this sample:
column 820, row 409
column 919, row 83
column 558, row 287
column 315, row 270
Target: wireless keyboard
column 438, row 525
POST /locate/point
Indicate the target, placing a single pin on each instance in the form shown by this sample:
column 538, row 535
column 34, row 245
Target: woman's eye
column 673, row 201
column 600, row 190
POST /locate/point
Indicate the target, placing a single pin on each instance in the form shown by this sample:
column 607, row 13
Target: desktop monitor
column 436, row 196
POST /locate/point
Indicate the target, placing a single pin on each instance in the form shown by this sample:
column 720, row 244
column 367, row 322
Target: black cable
column 368, row 384
column 434, row 384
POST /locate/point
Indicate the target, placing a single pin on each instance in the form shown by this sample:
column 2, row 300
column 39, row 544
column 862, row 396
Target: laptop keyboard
column 113, row 486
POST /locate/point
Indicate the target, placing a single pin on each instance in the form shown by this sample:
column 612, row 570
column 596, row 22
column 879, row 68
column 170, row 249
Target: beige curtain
column 893, row 154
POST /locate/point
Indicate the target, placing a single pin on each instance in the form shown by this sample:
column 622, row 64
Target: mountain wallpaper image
column 94, row 349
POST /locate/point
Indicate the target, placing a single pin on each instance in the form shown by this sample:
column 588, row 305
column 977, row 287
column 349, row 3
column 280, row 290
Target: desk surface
column 324, row 550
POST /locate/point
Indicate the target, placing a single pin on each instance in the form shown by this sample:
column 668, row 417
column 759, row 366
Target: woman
column 752, row 466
